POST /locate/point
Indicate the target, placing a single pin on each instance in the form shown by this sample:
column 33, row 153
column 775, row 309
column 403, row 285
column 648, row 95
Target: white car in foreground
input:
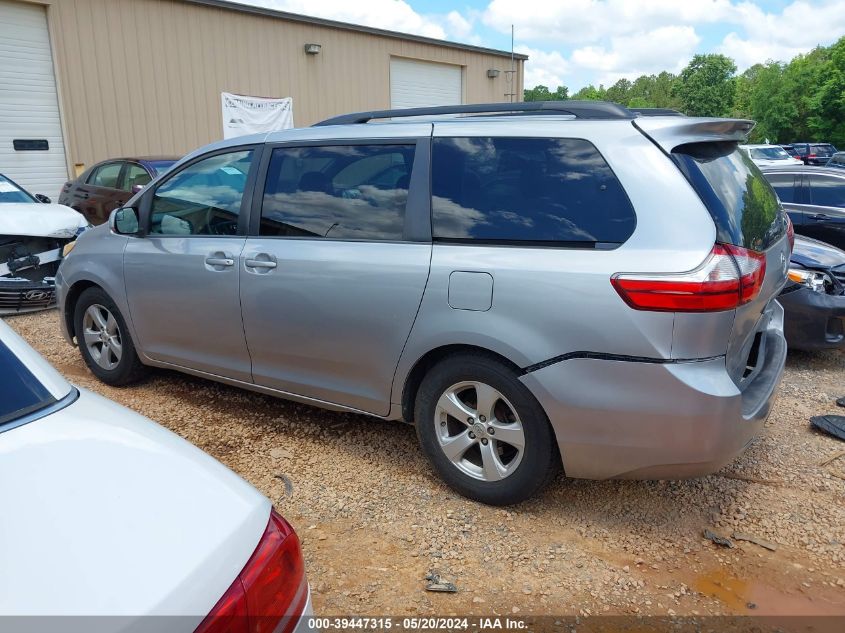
column 105, row 513
column 34, row 236
column 769, row 155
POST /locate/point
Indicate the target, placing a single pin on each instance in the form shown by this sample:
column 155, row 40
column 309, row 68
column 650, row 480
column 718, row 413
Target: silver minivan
column 532, row 285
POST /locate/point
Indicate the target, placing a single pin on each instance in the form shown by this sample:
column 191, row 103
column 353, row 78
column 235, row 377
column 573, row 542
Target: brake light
column 811, row 155
column 270, row 592
column 729, row 277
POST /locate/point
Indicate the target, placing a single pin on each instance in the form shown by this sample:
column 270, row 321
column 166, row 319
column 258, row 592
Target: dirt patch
column 374, row 519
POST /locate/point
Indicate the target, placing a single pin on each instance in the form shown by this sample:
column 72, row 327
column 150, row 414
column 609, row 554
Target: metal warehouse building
column 85, row 80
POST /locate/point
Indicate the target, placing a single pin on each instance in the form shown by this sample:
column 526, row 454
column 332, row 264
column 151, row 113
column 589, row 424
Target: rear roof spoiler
column 670, row 131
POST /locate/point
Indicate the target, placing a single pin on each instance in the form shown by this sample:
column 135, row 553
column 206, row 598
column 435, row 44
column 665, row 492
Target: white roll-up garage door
column 29, row 105
column 415, row 83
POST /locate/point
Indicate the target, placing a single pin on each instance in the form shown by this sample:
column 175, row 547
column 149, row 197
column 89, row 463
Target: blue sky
column 578, row 42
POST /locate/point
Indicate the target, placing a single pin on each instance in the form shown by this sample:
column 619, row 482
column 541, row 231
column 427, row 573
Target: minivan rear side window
column 526, row 191
column 742, row 203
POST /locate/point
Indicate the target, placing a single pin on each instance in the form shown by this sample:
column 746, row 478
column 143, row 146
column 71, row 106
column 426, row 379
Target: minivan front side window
column 204, row 198
column 526, row 190
column 354, row 192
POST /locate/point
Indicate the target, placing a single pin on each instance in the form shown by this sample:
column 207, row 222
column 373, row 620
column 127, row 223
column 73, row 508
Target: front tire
column 104, row 340
column 483, row 431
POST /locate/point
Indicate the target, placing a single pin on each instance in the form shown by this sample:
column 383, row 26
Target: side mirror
column 124, row 221
column 136, row 188
column 42, row 198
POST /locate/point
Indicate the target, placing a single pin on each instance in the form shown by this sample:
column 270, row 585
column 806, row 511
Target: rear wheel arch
column 430, row 359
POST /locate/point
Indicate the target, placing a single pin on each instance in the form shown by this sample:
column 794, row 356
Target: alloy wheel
column 479, row 431
column 102, row 337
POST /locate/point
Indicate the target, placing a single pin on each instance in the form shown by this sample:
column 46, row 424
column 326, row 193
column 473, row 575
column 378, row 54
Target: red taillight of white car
column 270, row 590
column 729, row 277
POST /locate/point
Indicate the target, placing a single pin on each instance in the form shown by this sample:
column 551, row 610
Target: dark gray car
column 814, row 197
column 566, row 282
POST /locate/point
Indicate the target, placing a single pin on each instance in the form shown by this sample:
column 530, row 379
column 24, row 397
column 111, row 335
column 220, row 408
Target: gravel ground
column 374, row 519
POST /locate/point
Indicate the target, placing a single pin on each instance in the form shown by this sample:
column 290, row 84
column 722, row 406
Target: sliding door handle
column 259, row 263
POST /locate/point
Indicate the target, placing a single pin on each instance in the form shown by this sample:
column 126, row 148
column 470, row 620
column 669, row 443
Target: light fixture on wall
column 312, row 49
column 492, row 73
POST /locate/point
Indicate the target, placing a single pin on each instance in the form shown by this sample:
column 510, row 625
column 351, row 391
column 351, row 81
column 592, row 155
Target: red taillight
column 811, row 155
column 270, row 590
column 729, row 277
column 790, row 233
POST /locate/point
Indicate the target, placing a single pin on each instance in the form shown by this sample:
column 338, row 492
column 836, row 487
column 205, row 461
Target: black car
column 814, row 197
column 814, row 153
column 814, row 297
column 791, row 151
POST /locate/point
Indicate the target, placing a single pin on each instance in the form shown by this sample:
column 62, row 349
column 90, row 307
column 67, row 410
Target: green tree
column 618, row 92
column 591, row 93
column 542, row 93
column 706, row 86
column 770, row 102
column 827, row 102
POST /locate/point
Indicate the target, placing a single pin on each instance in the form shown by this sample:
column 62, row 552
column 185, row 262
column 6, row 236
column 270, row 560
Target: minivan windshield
column 21, row 393
column 742, row 203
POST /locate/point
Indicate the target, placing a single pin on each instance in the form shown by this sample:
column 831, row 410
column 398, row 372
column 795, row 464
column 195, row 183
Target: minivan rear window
column 21, row 393
column 743, row 205
column 556, row 191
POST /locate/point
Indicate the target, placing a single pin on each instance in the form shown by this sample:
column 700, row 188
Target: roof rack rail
column 579, row 109
column 656, row 112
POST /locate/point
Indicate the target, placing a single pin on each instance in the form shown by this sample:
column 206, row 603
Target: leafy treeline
column 803, row 100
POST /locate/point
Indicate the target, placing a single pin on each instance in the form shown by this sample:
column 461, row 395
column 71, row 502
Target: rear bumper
column 636, row 420
column 17, row 297
column 814, row 320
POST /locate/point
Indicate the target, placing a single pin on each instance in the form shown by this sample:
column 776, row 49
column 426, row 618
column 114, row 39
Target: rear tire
column 483, row 431
column 104, row 340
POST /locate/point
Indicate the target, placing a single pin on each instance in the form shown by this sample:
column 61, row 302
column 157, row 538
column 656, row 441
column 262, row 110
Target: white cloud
column 801, row 26
column 582, row 21
column 393, row 15
column 543, row 68
column 458, row 25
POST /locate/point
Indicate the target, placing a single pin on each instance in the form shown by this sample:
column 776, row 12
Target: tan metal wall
column 145, row 76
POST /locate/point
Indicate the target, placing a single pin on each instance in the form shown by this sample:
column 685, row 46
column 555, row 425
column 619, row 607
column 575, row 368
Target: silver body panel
column 332, row 318
column 205, row 332
column 342, row 324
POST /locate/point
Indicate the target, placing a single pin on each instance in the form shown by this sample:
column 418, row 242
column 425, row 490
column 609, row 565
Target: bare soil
column 374, row 519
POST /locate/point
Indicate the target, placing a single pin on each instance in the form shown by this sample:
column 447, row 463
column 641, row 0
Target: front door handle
column 259, row 263
column 820, row 216
column 219, row 261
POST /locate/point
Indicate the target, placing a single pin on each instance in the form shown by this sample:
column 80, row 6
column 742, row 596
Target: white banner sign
column 249, row 115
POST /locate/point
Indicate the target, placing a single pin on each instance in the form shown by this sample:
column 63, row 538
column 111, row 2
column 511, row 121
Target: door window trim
column 417, row 224
column 146, row 203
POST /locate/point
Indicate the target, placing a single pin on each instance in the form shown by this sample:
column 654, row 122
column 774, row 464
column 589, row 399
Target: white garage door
column 415, row 83
column 29, row 105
